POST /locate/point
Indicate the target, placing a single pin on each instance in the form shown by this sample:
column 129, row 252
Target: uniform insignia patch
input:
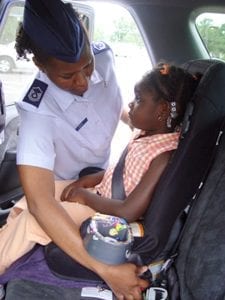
column 99, row 47
column 35, row 93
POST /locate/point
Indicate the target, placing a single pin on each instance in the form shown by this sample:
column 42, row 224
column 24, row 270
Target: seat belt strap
column 117, row 186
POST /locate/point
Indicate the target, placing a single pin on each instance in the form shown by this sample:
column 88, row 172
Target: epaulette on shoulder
column 99, row 47
column 35, row 93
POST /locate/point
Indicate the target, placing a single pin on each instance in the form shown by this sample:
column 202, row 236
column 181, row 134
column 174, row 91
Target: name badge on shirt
column 36, row 93
column 82, row 123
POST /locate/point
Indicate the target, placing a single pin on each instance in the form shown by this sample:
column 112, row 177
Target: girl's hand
column 69, row 191
column 83, row 182
column 80, row 195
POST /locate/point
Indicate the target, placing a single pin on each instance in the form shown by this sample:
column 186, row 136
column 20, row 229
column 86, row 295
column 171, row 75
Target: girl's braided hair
column 172, row 84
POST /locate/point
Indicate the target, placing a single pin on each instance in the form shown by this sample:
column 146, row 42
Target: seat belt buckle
column 156, row 293
column 155, row 268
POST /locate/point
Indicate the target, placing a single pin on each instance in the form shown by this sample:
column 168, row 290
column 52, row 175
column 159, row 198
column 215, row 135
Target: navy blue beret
column 54, row 28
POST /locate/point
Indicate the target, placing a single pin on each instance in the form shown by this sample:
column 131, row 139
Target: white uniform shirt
column 66, row 133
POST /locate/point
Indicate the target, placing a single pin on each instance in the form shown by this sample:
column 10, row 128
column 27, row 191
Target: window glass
column 14, row 73
column 211, row 27
column 115, row 26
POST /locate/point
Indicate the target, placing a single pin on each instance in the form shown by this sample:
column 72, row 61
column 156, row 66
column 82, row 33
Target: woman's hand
column 125, row 282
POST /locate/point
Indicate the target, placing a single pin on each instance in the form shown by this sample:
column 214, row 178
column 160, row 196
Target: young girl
column 157, row 111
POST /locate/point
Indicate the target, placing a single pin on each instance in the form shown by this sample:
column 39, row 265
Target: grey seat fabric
column 23, row 289
column 10, row 187
column 10, row 137
column 201, row 261
column 2, row 111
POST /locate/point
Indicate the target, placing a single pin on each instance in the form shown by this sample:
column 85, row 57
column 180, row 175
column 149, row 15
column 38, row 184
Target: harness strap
column 117, row 186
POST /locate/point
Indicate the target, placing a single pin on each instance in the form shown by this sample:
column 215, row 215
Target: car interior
column 169, row 33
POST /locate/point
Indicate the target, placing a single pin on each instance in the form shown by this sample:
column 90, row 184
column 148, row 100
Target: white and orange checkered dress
column 141, row 152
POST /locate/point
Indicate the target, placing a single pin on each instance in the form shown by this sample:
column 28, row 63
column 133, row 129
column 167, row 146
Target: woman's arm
column 38, row 185
column 134, row 206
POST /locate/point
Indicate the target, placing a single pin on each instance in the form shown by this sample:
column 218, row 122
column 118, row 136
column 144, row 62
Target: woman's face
column 71, row 77
column 148, row 113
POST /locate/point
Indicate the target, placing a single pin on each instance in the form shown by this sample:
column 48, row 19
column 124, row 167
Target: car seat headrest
column 199, row 66
column 203, row 68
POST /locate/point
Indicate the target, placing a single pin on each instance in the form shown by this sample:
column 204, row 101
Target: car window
column 211, row 27
column 115, row 25
column 110, row 23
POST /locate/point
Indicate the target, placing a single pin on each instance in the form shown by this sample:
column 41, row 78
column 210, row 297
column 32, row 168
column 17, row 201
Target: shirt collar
column 63, row 98
column 154, row 137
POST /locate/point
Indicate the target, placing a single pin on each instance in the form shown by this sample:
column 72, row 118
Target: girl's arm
column 87, row 181
column 134, row 206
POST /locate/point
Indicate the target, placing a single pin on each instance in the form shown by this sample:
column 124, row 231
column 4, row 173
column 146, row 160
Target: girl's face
column 148, row 113
column 71, row 77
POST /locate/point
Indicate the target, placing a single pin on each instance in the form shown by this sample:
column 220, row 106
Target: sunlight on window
column 115, row 26
column 211, row 27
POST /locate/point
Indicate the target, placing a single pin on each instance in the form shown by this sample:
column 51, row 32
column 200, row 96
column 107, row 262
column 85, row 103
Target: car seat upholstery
column 188, row 168
column 10, row 187
column 200, row 261
column 2, row 113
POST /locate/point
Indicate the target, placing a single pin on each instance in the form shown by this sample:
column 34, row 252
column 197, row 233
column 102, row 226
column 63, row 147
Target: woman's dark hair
column 172, row 84
column 25, row 46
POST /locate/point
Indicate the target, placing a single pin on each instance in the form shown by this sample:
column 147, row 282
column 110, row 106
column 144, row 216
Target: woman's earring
column 159, row 118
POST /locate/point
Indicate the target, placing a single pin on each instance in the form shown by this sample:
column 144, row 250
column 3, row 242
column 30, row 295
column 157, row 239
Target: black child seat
column 200, row 264
column 180, row 187
column 187, row 170
column 183, row 178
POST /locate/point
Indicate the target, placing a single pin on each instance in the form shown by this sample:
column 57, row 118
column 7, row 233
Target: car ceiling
column 168, row 26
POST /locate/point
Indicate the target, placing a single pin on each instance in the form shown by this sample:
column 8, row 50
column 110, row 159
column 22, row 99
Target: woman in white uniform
column 68, row 118
column 66, row 132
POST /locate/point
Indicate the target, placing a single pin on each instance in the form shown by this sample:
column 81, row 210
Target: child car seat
column 200, row 262
column 188, row 168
